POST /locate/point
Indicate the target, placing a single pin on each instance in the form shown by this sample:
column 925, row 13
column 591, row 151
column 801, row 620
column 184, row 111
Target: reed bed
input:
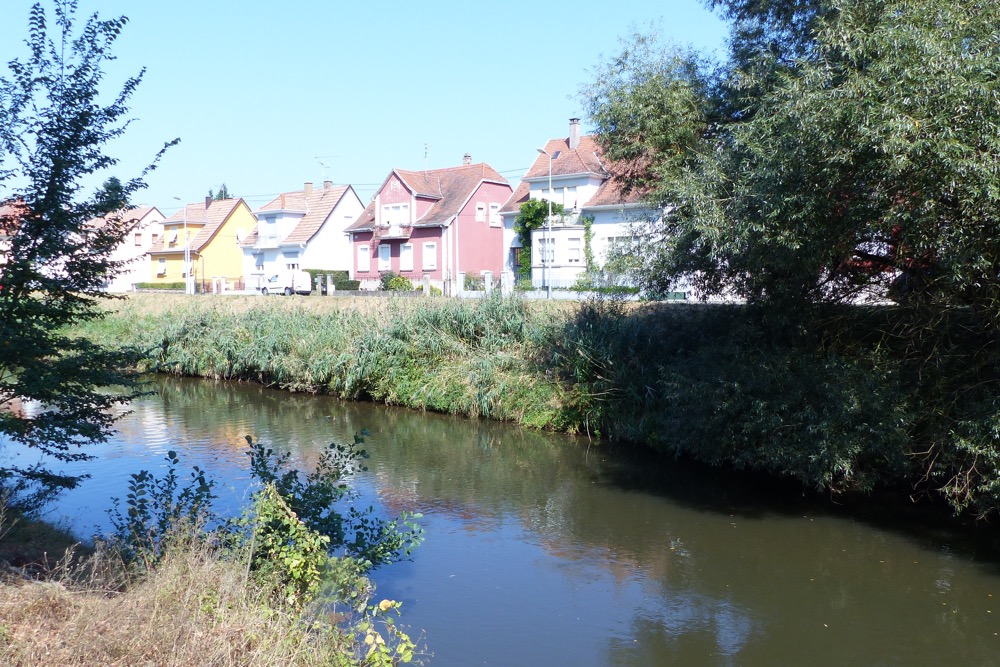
column 474, row 358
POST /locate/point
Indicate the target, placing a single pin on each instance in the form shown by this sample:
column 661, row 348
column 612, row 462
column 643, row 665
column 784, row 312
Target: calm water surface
column 545, row 550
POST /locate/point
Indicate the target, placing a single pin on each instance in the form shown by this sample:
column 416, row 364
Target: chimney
column 467, row 158
column 574, row 133
column 327, row 185
column 307, row 187
column 208, row 201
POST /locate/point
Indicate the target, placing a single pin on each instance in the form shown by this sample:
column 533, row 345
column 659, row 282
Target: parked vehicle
column 288, row 283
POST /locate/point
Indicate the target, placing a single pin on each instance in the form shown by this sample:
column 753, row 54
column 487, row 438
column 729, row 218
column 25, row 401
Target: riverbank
column 833, row 406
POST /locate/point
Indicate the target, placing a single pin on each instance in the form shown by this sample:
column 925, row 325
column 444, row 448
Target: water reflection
column 547, row 550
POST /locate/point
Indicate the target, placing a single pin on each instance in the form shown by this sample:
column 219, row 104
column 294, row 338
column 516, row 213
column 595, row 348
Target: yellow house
column 214, row 231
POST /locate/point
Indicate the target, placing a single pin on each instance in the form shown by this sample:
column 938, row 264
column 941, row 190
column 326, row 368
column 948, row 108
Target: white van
column 288, row 283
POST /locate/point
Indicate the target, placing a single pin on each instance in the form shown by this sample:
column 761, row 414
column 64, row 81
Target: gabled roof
column 205, row 221
column 136, row 215
column 584, row 159
column 316, row 205
column 451, row 187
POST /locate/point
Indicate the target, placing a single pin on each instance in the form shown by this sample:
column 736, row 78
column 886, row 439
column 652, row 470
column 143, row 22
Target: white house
column 146, row 229
column 581, row 184
column 301, row 230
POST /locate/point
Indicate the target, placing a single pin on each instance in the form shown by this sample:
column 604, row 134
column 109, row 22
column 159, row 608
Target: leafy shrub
column 167, row 286
column 395, row 283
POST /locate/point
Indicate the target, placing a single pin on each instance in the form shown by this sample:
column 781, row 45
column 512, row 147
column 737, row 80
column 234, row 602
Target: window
column 546, row 250
column 364, row 258
column 161, row 266
column 173, row 237
column 384, row 257
column 138, row 239
column 570, row 199
column 292, row 266
column 495, row 219
column 394, row 215
column 406, row 257
column 573, row 251
column 480, row 212
column 430, row 262
column 156, row 237
column 259, row 263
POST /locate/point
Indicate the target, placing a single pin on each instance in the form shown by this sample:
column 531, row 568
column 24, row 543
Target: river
column 548, row 550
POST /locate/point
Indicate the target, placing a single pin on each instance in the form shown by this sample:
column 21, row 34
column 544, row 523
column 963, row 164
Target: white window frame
column 574, row 250
column 406, row 257
column 395, row 214
column 364, row 258
column 480, row 211
column 429, row 259
column 547, row 250
column 384, row 257
column 161, row 266
column 495, row 219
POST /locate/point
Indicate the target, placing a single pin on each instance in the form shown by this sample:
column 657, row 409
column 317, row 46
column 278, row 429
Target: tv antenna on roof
column 322, row 160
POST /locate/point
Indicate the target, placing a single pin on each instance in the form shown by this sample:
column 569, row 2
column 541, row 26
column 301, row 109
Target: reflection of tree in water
column 729, row 572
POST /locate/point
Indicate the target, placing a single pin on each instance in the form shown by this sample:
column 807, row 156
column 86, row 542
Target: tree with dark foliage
column 53, row 130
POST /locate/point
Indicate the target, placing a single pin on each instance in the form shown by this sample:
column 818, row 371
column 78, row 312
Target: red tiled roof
column 134, row 215
column 316, row 205
column 11, row 211
column 206, row 222
column 451, row 187
column 521, row 195
column 584, row 159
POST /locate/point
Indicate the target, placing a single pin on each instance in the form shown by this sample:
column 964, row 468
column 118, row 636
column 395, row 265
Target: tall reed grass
column 478, row 359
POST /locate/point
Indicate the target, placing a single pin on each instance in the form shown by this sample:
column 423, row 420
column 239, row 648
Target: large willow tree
column 846, row 151
column 54, row 126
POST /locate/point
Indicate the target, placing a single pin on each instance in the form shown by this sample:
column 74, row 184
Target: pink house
column 436, row 223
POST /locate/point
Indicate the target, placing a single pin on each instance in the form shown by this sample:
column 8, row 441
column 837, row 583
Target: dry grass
column 193, row 609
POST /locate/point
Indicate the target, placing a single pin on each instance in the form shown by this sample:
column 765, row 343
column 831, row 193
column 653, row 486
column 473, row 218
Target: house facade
column 213, row 234
column 581, row 184
column 147, row 229
column 304, row 229
column 437, row 223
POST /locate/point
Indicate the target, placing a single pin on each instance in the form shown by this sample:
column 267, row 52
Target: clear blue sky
column 262, row 92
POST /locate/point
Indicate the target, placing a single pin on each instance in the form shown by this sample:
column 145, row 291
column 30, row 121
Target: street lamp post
column 188, row 283
column 546, row 271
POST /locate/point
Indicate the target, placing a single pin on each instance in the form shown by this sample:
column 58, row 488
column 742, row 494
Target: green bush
column 395, row 283
column 169, row 286
column 337, row 275
column 347, row 285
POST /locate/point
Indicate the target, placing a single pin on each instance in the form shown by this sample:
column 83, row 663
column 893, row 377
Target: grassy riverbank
column 838, row 405
column 193, row 609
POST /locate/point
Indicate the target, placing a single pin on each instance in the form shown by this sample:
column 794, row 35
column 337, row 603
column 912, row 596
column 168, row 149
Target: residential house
column 10, row 213
column 304, row 229
column 437, row 223
column 213, row 232
column 582, row 185
column 146, row 224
